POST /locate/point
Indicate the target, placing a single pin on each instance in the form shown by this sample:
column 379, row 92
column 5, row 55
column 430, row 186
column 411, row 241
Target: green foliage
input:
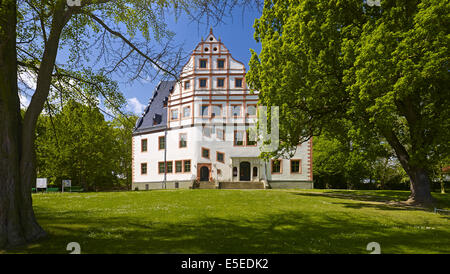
column 338, row 164
column 367, row 73
column 78, row 144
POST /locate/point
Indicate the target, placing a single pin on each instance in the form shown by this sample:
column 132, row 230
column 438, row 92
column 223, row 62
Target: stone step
column 241, row 185
column 206, row 185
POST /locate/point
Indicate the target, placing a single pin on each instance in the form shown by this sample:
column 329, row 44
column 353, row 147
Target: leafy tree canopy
column 383, row 72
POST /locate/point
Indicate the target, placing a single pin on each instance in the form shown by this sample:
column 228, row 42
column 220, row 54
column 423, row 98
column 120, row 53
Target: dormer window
column 165, row 101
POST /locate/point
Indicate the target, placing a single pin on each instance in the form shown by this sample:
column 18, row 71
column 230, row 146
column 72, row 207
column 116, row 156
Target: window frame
column 209, row 153
column 167, row 166
column 247, row 136
column 256, row 110
column 184, row 166
column 209, row 130
column 159, row 167
column 223, row 157
column 181, row 166
column 201, row 111
column 146, row 168
column 271, row 166
column 200, row 82
column 235, row 82
column 240, row 110
column 187, row 85
column 223, row 134
column 146, row 145
column 299, row 166
column 179, row 140
column 221, row 111
column 200, row 60
column 177, row 112
column 184, row 116
column 221, row 60
column 159, row 142
column 223, row 82
column 243, row 138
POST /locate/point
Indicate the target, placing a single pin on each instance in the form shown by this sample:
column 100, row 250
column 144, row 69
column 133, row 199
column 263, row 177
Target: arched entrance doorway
column 204, row 174
column 244, row 171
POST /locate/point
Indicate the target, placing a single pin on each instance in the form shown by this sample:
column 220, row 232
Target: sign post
column 66, row 183
column 41, row 183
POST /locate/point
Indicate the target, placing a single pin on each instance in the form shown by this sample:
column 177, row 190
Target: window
column 161, row 167
column 183, row 140
column 174, row 114
column 216, row 111
column 251, row 110
column 203, row 83
column 220, row 134
column 276, row 166
column 205, row 153
column 206, row 130
column 220, row 157
column 220, row 82
column 161, row 142
column 295, row 166
column 204, row 111
column 144, row 168
column 220, row 63
column 203, row 63
column 169, row 167
column 186, row 112
column 238, row 82
column 255, row 171
column 249, row 142
column 178, row 166
column 187, row 84
column 234, row 171
column 238, row 138
column 187, row 165
column 144, row 145
column 236, row 110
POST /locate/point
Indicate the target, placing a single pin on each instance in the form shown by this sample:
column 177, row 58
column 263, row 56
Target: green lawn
column 239, row 221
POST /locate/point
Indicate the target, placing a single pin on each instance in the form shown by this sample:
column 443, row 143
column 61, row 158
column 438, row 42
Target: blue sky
column 236, row 33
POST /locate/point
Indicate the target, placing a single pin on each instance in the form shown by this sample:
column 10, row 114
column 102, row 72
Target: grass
column 239, row 221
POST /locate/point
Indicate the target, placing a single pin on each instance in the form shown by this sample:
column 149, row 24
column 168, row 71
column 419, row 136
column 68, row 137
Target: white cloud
column 28, row 79
column 135, row 106
column 24, row 100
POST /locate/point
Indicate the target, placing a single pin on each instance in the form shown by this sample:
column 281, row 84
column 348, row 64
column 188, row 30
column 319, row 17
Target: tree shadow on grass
column 367, row 201
column 283, row 232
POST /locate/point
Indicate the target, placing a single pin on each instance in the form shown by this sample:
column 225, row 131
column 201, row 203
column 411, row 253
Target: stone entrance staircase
column 205, row 185
column 241, row 185
column 229, row 185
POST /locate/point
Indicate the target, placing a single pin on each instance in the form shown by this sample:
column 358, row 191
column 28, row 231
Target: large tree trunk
column 420, row 181
column 18, row 223
column 16, row 213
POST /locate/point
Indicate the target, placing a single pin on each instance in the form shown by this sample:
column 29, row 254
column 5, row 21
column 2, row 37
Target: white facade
column 210, row 109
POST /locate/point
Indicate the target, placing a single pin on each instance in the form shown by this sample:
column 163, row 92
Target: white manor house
column 199, row 126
